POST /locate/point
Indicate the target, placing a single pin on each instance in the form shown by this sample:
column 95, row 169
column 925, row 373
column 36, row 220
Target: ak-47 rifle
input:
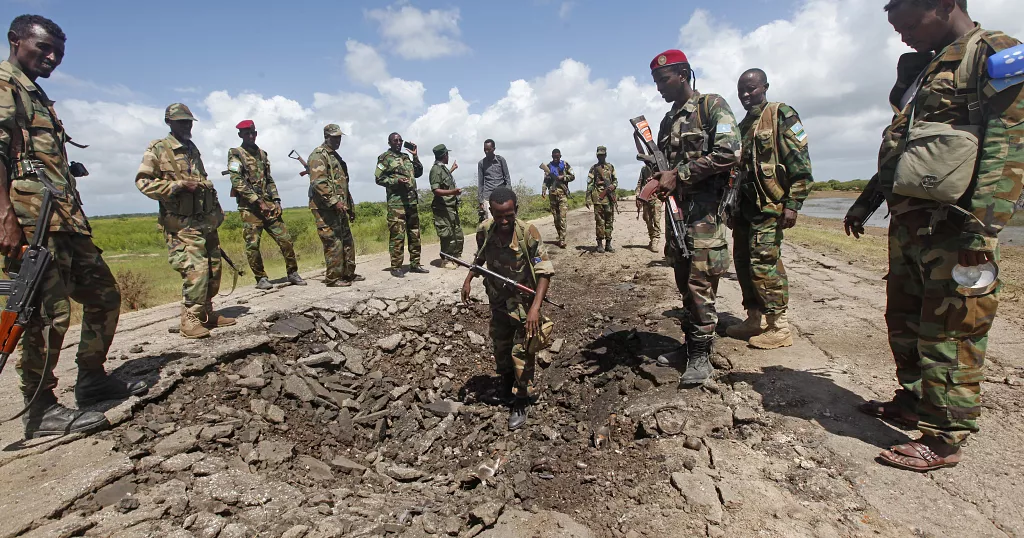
column 504, row 281
column 731, row 200
column 645, row 145
column 551, row 180
column 295, row 155
column 273, row 213
column 608, row 191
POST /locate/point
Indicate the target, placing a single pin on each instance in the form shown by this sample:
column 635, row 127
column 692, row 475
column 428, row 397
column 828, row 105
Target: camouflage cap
column 440, row 150
column 333, row 129
column 178, row 111
column 601, row 150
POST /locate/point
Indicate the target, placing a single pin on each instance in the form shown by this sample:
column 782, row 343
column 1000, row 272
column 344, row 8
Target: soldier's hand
column 340, row 206
column 351, row 215
column 10, row 235
column 970, row 258
column 667, row 180
column 533, row 322
column 279, row 209
column 404, row 181
column 455, row 166
column 458, row 192
column 190, row 185
column 788, row 218
column 467, row 289
column 853, row 223
column 639, row 203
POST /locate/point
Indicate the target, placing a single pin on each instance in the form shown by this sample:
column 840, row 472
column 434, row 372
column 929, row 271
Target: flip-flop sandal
column 900, row 457
column 890, row 411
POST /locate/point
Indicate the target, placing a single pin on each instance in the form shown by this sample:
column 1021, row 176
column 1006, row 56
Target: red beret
column 669, row 57
column 245, row 124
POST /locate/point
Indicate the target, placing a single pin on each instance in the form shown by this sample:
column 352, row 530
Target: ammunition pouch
column 199, row 202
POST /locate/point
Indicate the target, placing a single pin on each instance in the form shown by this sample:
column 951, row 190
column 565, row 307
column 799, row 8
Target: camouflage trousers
column 938, row 336
column 757, row 253
column 513, row 352
column 335, row 233
column 195, row 255
column 449, row 230
column 604, row 218
column 559, row 203
column 76, row 273
column 652, row 217
column 253, row 227
column 697, row 277
column 404, row 221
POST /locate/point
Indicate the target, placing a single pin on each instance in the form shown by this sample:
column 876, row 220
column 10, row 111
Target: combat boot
column 502, row 394
column 653, row 246
column 519, row 413
column 191, row 326
column 698, row 363
column 608, row 245
column 94, row 385
column 264, row 284
column 47, row 417
column 776, row 335
column 600, row 245
column 215, row 320
column 295, row 279
column 748, row 328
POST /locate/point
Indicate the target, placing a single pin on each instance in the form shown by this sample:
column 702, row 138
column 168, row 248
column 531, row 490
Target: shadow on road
column 812, row 395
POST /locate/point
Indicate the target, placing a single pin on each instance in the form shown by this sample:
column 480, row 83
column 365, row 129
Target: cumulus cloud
column 419, row 35
column 833, row 60
column 364, row 64
column 565, row 10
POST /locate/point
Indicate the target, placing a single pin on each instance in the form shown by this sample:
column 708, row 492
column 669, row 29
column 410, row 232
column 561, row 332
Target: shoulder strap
column 704, row 121
column 21, row 138
column 521, row 233
column 971, row 85
column 170, row 154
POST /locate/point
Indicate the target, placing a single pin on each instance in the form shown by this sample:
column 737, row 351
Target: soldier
column 513, row 248
column 699, row 139
column 775, row 180
column 397, row 173
column 172, row 173
column 445, row 206
column 330, row 201
column 651, row 210
column 557, row 176
column 259, row 205
column 601, row 187
column 938, row 318
column 30, row 145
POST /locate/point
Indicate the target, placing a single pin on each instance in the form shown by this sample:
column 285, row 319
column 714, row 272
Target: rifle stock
column 295, row 155
column 645, row 145
column 504, row 281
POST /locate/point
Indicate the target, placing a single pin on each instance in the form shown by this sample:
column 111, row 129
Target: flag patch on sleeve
column 234, row 165
column 723, row 128
column 798, row 132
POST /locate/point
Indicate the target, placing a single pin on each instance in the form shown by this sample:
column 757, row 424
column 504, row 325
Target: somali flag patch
column 798, row 131
column 723, row 128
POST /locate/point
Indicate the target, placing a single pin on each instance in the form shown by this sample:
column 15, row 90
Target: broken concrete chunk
column 389, row 344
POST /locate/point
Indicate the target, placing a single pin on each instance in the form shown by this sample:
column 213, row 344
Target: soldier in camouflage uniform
column 32, row 143
column 172, row 173
column 651, row 210
column 259, row 205
column 445, row 206
column 601, row 187
column 557, row 176
column 397, row 173
column 938, row 329
column 333, row 209
column 699, row 138
column 513, row 248
column 776, row 179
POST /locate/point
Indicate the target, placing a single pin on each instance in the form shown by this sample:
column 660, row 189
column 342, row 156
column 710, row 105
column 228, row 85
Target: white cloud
column 834, row 61
column 364, row 64
column 565, row 10
column 419, row 35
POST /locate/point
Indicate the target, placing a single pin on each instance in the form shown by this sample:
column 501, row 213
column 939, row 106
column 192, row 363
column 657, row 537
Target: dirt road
column 355, row 412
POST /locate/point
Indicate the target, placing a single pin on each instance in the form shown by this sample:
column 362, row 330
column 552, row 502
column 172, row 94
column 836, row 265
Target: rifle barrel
column 504, row 280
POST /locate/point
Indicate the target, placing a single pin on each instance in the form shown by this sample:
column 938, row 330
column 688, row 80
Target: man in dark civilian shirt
column 492, row 172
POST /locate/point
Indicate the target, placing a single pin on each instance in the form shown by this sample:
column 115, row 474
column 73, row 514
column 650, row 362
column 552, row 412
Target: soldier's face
column 489, row 150
column 669, row 84
column 556, row 156
column 395, row 143
column 600, row 157
column 248, row 136
column 504, row 214
column 334, row 142
column 922, row 29
column 181, row 129
column 38, row 53
column 751, row 92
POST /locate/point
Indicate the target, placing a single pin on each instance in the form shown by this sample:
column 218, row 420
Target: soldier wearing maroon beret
column 259, row 206
column 701, row 142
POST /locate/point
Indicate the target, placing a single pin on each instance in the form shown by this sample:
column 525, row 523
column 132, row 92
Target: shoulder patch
column 723, row 128
column 234, row 165
column 798, row 131
column 380, row 166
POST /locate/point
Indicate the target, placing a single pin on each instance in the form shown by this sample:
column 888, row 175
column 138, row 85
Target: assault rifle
column 273, row 213
column 551, row 180
column 295, row 155
column 731, row 200
column 645, row 145
column 504, row 281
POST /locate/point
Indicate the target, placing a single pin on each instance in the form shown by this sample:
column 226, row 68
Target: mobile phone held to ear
column 409, row 145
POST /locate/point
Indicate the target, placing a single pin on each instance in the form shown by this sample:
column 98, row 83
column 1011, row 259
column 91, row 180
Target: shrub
column 134, row 290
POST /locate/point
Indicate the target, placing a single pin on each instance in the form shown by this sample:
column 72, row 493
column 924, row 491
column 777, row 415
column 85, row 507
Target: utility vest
column 337, row 189
column 762, row 158
column 201, row 202
column 692, row 144
column 258, row 186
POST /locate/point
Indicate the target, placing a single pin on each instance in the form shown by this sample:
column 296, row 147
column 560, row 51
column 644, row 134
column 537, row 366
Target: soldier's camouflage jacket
column 441, row 179
column 513, row 260
column 600, row 178
column 1000, row 167
column 782, row 148
column 166, row 166
column 559, row 186
column 328, row 178
column 35, row 133
column 251, row 181
column 391, row 167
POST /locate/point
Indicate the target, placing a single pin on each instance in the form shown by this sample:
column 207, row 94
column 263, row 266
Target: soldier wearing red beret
column 700, row 140
column 259, row 205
